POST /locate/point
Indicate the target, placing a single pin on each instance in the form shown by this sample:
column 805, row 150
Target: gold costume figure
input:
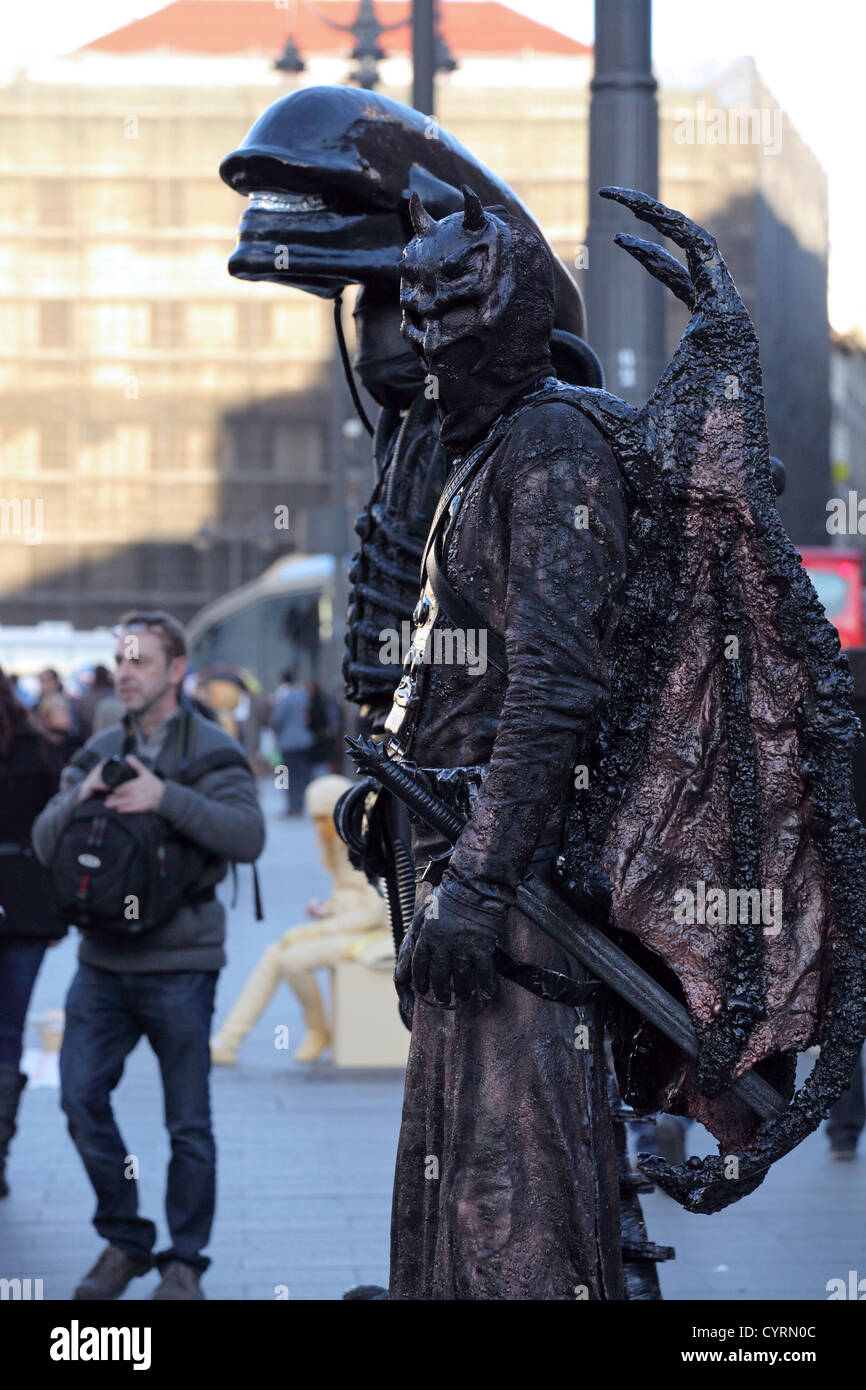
column 352, row 919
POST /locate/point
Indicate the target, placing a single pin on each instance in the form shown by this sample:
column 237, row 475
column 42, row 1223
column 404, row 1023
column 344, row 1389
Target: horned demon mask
column 477, row 297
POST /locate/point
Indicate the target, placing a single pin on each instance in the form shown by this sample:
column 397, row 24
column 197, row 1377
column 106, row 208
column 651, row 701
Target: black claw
column 668, row 221
column 661, row 264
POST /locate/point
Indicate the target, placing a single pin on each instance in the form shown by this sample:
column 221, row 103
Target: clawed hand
column 447, row 955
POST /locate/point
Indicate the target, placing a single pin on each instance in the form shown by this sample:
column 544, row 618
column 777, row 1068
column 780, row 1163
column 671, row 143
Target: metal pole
column 625, row 305
column 423, row 55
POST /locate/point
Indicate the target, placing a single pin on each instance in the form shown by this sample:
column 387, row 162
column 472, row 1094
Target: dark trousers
column 106, row 1014
column 845, row 1123
column 298, row 762
column 20, row 959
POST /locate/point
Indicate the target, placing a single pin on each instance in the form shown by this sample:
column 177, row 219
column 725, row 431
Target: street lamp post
column 625, row 305
column 423, row 55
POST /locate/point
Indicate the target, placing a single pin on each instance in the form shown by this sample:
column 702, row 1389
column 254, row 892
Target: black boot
column 12, row 1083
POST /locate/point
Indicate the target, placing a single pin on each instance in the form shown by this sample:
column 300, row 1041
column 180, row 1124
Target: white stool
column 366, row 1029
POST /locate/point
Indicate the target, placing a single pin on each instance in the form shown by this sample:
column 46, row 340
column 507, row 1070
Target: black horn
column 421, row 219
column 473, row 212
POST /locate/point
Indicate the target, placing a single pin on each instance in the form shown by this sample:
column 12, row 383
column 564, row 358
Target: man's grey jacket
column 221, row 813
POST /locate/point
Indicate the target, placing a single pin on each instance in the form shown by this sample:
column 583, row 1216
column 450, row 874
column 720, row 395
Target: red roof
column 243, row 26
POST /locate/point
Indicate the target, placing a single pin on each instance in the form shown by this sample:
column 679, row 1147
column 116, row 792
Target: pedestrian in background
column 290, row 722
column 59, row 724
column 49, row 682
column 324, row 724
column 184, row 787
column 29, row 773
column 90, row 702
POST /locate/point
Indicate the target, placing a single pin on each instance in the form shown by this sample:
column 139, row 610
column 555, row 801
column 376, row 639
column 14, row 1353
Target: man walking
column 290, row 722
column 160, row 983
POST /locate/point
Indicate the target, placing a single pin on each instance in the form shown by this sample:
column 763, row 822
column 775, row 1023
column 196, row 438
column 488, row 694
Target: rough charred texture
column 503, row 1095
column 719, row 763
column 524, row 1201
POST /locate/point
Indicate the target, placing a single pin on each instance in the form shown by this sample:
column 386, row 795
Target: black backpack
column 128, row 874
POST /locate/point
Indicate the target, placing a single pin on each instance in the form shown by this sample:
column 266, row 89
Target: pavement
column 306, row 1158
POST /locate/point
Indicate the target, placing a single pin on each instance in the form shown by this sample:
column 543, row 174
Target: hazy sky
column 810, row 56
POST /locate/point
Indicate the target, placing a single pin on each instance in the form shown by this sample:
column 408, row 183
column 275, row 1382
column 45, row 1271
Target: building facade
column 180, row 430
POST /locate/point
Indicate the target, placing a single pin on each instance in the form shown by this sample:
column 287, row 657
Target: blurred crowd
column 297, row 725
column 124, row 801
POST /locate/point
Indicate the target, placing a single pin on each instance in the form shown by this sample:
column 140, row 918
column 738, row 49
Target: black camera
column 117, row 770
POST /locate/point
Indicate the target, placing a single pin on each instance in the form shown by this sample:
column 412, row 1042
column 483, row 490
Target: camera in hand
column 117, row 770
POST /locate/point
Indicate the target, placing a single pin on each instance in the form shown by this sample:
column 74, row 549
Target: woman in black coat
column 29, row 774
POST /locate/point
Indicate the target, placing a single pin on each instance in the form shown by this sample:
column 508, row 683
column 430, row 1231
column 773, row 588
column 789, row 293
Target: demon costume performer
column 610, row 582
column 500, row 1095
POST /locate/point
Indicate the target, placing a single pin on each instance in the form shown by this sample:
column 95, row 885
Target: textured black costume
column 731, row 762
column 499, row 1089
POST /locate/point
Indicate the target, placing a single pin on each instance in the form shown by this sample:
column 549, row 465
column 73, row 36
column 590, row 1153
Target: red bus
column 838, row 579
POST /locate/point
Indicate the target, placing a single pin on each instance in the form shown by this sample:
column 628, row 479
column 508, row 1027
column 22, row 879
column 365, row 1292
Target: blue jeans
column 20, row 959
column 106, row 1014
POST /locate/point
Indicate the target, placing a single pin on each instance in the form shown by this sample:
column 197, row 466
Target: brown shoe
column 111, row 1274
column 179, row 1281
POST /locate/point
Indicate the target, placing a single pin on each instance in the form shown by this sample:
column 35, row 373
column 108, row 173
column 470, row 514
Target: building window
column 211, row 325
column 55, row 323
column 19, row 325
column 115, row 205
column 115, row 450
column 53, row 203
column 299, row 321
column 114, row 328
column 19, row 450
column 167, row 324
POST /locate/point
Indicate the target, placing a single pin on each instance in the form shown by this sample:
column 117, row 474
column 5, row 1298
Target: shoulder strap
column 456, row 608
column 466, row 469
column 129, row 740
column 257, row 890
column 461, row 613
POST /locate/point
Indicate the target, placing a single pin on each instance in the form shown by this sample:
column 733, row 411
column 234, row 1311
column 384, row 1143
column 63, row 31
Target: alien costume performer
column 611, row 554
column 329, row 172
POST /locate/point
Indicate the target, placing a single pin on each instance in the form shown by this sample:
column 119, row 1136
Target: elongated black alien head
column 477, row 295
column 329, row 173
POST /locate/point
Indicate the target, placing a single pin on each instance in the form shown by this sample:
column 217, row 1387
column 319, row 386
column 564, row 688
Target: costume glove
column 447, row 953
